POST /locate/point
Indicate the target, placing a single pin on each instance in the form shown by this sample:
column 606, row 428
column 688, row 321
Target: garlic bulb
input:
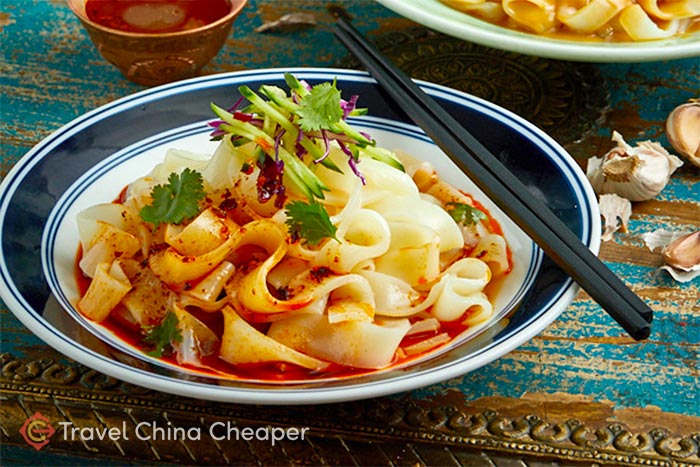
column 683, row 130
column 637, row 173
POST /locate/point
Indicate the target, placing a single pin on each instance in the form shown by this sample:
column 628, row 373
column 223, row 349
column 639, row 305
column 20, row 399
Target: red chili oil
column 156, row 16
column 131, row 334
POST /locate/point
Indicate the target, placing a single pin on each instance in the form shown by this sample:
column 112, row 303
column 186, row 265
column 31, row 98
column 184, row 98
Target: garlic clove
column 637, row 173
column 684, row 247
column 616, row 212
column 683, row 252
column 683, row 130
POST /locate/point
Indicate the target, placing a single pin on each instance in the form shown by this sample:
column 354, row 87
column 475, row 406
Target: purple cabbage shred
column 352, row 162
column 348, row 106
column 327, row 142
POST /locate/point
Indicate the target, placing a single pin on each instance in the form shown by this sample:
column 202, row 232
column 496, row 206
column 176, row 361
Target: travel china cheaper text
column 152, row 431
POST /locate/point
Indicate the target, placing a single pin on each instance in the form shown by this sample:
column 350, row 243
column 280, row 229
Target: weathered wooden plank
column 582, row 366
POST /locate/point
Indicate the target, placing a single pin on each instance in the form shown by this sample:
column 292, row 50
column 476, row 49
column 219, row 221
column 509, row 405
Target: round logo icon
column 37, row 430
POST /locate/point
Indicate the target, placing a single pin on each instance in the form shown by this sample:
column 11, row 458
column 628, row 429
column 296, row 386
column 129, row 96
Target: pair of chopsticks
column 503, row 188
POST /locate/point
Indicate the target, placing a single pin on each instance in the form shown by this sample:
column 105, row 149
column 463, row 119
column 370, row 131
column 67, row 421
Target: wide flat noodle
column 640, row 27
column 418, row 210
column 458, row 288
column 534, row 15
column 109, row 285
column 147, row 302
column 592, row 16
column 492, row 250
column 381, row 181
column 356, row 344
column 175, row 269
column 670, row 10
column 203, row 234
column 363, row 234
column 488, row 10
column 108, row 244
column 90, row 221
column 242, row 343
column 197, row 339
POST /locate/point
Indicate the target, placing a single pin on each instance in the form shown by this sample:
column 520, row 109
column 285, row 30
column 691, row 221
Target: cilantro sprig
column 465, row 214
column 310, row 222
column 320, row 108
column 163, row 335
column 176, row 201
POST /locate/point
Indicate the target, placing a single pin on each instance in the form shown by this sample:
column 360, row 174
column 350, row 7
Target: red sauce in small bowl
column 156, row 16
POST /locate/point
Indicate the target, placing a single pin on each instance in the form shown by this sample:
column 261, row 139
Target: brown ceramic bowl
column 156, row 58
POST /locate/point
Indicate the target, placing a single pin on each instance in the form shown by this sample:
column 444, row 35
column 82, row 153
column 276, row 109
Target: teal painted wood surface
column 51, row 74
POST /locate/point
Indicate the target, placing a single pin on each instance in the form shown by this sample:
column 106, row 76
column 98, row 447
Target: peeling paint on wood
column 582, row 365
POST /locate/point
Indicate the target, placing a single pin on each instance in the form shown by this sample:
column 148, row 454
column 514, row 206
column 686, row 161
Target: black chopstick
column 503, row 188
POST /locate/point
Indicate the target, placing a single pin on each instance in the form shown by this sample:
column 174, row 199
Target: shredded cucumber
column 297, row 128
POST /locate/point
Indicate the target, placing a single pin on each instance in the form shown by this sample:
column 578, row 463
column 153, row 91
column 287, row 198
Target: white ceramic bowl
column 92, row 158
column 441, row 18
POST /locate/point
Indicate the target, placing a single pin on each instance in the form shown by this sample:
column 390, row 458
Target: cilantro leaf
column 163, row 335
column 176, row 201
column 465, row 214
column 310, row 221
column 320, row 109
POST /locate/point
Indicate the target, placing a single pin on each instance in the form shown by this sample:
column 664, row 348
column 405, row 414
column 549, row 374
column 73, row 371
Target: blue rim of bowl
column 393, row 383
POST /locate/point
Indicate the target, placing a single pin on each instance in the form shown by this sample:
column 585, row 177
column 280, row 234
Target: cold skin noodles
column 602, row 20
column 382, row 264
